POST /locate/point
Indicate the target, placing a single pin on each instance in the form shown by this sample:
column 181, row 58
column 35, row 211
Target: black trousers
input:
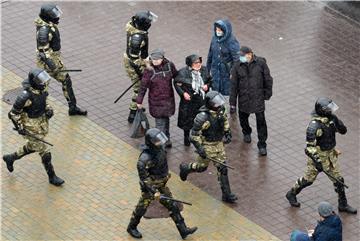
column 260, row 126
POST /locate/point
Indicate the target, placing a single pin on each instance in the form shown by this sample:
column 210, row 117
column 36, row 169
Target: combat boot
column 134, row 222
column 74, row 110
column 227, row 196
column 180, row 224
column 184, row 171
column 11, row 158
column 131, row 116
column 343, row 206
column 291, row 197
column 53, row 179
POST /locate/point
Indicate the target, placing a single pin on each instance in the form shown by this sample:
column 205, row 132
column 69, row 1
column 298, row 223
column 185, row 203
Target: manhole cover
column 10, row 96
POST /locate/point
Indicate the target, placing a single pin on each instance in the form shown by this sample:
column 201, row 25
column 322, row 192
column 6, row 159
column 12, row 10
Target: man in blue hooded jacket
column 223, row 52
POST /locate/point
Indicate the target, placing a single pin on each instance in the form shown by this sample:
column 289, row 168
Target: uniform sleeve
column 44, row 37
column 226, row 123
column 145, row 48
column 340, row 127
column 143, row 165
column 200, row 123
column 268, row 81
column 313, row 130
column 233, row 85
column 21, row 101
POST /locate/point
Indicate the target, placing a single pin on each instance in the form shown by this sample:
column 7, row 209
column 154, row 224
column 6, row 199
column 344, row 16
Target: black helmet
column 325, row 106
column 142, row 20
column 49, row 12
column 214, row 100
column 38, row 78
column 189, row 60
column 155, row 138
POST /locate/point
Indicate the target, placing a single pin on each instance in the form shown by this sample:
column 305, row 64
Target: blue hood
column 332, row 221
column 225, row 25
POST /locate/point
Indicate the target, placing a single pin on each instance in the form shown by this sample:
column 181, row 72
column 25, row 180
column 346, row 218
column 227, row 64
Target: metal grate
column 10, row 96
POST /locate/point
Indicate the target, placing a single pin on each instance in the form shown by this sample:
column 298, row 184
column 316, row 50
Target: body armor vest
column 55, row 42
column 327, row 140
column 160, row 168
column 38, row 105
column 216, row 130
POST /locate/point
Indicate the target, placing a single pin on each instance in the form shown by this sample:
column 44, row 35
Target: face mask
column 219, row 33
column 243, row 59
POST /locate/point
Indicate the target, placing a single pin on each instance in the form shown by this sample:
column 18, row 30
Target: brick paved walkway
column 311, row 51
column 100, row 190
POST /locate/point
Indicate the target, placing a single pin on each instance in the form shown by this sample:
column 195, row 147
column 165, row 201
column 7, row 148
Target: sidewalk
column 100, row 191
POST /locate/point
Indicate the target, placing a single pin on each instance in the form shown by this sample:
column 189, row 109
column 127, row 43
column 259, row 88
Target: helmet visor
column 332, row 106
column 42, row 78
column 55, row 12
column 218, row 101
column 160, row 139
column 153, row 17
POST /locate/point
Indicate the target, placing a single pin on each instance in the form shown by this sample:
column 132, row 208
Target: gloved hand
column 21, row 131
column 201, row 152
column 49, row 113
column 227, row 137
column 318, row 164
column 47, row 61
column 232, row 109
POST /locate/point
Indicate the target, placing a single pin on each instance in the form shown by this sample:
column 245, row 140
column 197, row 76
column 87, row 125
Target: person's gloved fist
column 49, row 113
column 227, row 137
column 232, row 109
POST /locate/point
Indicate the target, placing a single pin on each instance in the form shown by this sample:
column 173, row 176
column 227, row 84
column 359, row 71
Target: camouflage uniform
column 154, row 173
column 207, row 135
column 320, row 147
column 49, row 56
column 30, row 114
column 136, row 52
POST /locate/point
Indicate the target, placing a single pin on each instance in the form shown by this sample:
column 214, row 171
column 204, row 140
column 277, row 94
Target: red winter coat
column 158, row 79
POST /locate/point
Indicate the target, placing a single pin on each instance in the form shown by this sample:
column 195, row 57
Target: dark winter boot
column 53, row 179
column 227, row 196
column 74, row 110
column 301, row 183
column 131, row 116
column 186, row 138
column 11, row 158
column 343, row 206
column 134, row 222
column 180, row 224
column 185, row 169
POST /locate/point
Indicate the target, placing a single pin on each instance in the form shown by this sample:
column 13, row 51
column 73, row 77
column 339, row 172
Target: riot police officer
column 320, row 148
column 154, row 173
column 30, row 115
column 49, row 55
column 137, row 46
column 210, row 127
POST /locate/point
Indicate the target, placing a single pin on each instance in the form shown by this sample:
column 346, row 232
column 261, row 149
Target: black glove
column 317, row 163
column 227, row 137
column 48, row 62
column 232, row 109
column 49, row 113
column 201, row 152
column 21, row 131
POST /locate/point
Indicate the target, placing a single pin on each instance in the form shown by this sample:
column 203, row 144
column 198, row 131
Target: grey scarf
column 197, row 83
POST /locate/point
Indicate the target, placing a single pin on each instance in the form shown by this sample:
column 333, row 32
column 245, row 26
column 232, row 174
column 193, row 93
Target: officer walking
column 154, row 173
column 210, row 127
column 320, row 147
column 30, row 114
column 49, row 55
column 137, row 47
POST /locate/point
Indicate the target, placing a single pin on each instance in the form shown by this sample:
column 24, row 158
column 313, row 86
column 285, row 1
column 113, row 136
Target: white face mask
column 219, row 33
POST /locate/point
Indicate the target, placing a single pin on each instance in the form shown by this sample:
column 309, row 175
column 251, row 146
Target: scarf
column 197, row 83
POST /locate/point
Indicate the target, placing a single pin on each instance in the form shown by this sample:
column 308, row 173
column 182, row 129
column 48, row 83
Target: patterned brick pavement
column 311, row 51
column 100, row 191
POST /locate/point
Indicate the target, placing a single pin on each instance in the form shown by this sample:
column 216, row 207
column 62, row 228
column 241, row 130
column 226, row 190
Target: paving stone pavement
column 311, row 51
column 100, row 191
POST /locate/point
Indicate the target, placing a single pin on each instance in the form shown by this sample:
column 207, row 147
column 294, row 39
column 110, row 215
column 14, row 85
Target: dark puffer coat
column 329, row 229
column 189, row 109
column 158, row 79
column 223, row 52
column 251, row 85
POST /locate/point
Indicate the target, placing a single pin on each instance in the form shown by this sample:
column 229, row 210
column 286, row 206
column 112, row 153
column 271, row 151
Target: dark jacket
column 329, row 229
column 189, row 109
column 251, row 85
column 158, row 79
column 223, row 52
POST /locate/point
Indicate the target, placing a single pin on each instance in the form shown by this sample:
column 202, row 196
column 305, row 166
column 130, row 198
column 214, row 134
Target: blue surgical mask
column 219, row 33
column 243, row 59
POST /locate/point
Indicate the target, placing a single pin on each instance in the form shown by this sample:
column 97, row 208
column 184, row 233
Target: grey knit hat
column 157, row 54
column 325, row 209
